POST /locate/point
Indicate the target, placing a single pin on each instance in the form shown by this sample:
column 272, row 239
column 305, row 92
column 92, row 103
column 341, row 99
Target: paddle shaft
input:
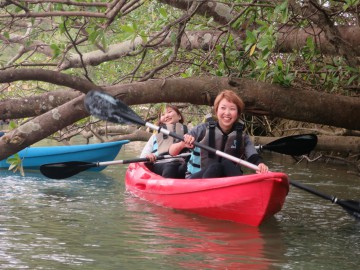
column 70, row 168
column 331, row 198
column 107, row 163
column 320, row 194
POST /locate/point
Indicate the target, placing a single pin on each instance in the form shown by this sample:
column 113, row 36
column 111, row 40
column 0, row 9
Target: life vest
column 231, row 144
column 162, row 141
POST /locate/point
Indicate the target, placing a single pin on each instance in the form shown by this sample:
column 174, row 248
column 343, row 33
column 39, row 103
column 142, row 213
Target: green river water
column 89, row 222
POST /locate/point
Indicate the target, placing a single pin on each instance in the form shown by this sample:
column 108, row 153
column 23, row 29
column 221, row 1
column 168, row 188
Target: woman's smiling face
column 169, row 116
column 227, row 114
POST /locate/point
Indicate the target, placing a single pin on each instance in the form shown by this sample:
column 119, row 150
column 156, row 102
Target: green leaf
column 135, row 26
column 62, row 28
column 56, row 50
column 350, row 3
column 310, row 43
column 351, row 80
column 127, row 28
column 93, row 35
column 163, row 13
column 250, row 37
column 266, row 53
column 173, row 37
column 261, row 64
column 283, row 11
column 12, row 125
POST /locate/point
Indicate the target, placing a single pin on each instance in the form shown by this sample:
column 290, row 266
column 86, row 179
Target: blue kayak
column 34, row 157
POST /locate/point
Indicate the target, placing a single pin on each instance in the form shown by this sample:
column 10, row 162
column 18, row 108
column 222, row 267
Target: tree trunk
column 260, row 99
column 42, row 127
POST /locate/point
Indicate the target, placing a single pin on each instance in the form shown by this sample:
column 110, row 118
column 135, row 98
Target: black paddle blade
column 108, row 108
column 351, row 206
column 295, row 145
column 65, row 169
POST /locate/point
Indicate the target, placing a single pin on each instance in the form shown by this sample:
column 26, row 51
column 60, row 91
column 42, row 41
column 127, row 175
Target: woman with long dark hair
column 172, row 119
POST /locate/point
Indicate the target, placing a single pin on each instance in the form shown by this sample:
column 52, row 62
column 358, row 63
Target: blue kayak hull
column 34, row 157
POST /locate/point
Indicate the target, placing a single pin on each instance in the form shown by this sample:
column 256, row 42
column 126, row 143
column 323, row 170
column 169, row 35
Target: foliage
column 15, row 160
column 110, row 44
column 15, row 164
column 258, row 58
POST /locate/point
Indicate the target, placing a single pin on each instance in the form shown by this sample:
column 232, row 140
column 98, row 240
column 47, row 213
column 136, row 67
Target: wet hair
column 175, row 108
column 230, row 96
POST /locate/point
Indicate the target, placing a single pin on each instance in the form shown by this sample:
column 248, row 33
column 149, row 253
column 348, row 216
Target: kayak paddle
column 351, row 206
column 63, row 170
column 295, row 145
column 108, row 108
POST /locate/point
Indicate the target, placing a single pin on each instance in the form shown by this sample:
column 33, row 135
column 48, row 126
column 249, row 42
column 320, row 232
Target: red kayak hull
column 247, row 199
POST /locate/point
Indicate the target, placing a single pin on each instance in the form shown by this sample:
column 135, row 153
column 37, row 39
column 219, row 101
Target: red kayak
column 248, row 199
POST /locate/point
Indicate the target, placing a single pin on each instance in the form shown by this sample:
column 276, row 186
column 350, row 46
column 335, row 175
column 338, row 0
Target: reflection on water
column 192, row 242
column 89, row 222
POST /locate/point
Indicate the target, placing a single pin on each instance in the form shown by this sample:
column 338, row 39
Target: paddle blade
column 351, row 206
column 65, row 169
column 295, row 145
column 106, row 107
